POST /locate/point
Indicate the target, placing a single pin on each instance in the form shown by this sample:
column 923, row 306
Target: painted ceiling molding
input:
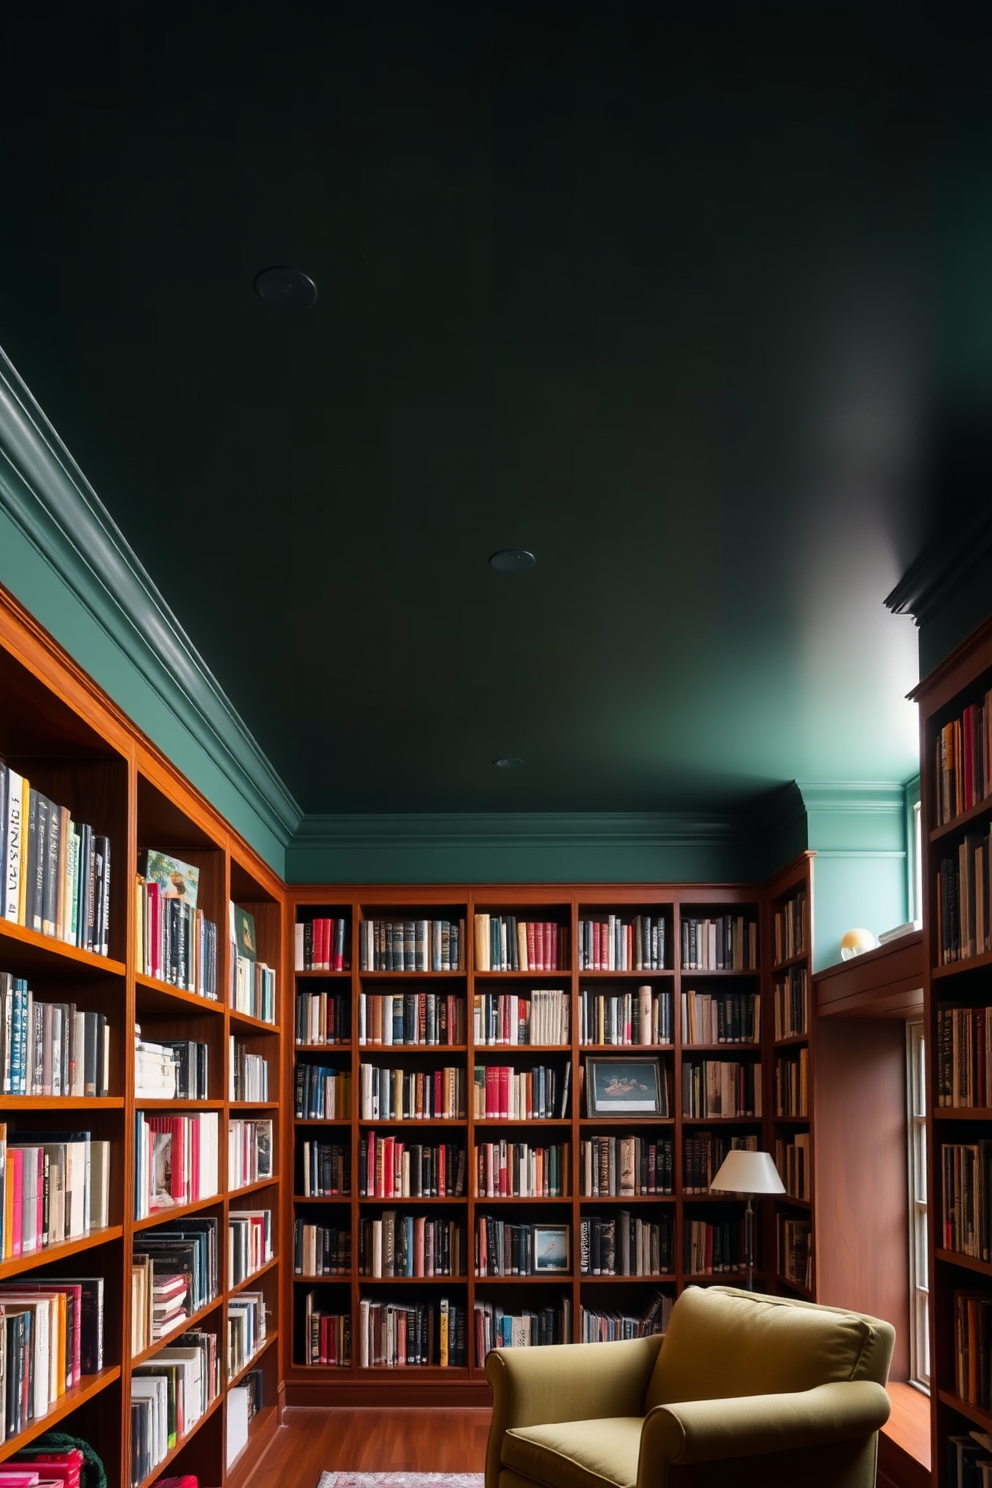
column 936, row 575
column 47, row 497
column 883, row 797
column 512, row 830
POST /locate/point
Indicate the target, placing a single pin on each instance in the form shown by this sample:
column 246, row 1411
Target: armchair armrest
column 751, row 1425
column 565, row 1382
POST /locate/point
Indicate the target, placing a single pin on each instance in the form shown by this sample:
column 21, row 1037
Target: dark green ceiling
column 682, row 297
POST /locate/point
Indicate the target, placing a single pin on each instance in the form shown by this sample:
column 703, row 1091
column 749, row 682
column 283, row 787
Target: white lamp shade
column 748, row 1173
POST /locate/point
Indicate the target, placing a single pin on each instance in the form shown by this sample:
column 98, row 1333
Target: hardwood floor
column 371, row 1440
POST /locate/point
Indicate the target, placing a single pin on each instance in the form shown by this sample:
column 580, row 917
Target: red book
column 442, row 1178
column 194, row 1160
column 531, row 947
column 597, row 954
column 338, row 959
column 388, row 1167
column 553, row 949
column 492, row 1091
column 439, row 1092
column 504, row 1090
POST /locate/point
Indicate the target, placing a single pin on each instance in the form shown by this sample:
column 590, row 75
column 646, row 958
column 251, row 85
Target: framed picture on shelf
column 552, row 1249
column 623, row 1087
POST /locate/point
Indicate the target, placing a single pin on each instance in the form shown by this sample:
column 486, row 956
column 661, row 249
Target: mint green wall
column 860, row 873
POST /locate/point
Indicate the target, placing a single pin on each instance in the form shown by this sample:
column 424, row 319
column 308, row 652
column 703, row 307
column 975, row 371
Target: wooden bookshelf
column 566, row 906
column 965, row 982
column 63, row 734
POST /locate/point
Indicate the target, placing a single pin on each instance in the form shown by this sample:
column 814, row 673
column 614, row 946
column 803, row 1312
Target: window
column 914, row 851
column 919, row 1320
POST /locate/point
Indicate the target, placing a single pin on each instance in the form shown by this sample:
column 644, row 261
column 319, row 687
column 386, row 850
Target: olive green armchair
column 743, row 1390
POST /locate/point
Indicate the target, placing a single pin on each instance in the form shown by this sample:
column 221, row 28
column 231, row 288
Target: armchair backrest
column 722, row 1342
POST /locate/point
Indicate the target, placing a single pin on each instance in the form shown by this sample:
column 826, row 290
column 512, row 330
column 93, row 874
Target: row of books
column 245, row 1329
column 404, row 1334
column 542, row 1017
column 966, row 1198
column 605, row 1326
column 169, row 1394
column 518, row 1170
column 702, row 1154
column 322, row 1018
column 410, row 1245
column 249, row 1074
column 253, row 983
column 321, row 1093
column 496, row 1327
column 411, row 1018
column 411, row 1095
column 323, row 1169
column 712, row 1088
column 790, row 927
column 56, row 872
column 964, row 900
column 390, row 1168
column 792, row 1084
column 170, row 1069
column 249, row 1243
column 326, row 1335
column 615, row 944
column 174, row 1272
column 624, row 1244
column 625, row 1166
column 501, row 1092
column 249, row 1151
column 505, row 1249
column 795, row 1251
column 973, row 1348
column 969, row 1464
column 792, row 1158
column 50, row 1048
column 504, row 943
column 411, row 945
column 56, row 1187
column 176, row 1160
column 321, row 944
column 621, row 1019
column 962, row 1057
column 791, row 994
column 721, row 1017
column 963, row 762
column 174, row 941
column 51, row 1329
column 727, row 943
column 711, row 1248
column 321, row 1249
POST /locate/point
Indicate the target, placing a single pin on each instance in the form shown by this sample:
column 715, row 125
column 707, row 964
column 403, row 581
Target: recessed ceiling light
column 286, row 289
column 512, row 560
column 510, row 762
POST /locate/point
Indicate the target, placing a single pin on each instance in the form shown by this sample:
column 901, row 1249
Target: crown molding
column 936, row 575
column 513, row 830
column 47, row 497
column 858, row 797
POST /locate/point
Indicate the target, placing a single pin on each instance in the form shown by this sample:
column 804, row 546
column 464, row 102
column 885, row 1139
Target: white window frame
column 919, row 1291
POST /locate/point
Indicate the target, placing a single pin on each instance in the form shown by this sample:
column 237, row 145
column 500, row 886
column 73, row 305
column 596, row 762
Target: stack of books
column 504, row 943
column 249, row 1152
column 175, row 1160
column 611, row 944
column 169, row 1394
column 249, row 1243
column 412, row 945
column 50, row 1048
column 175, row 942
column 173, row 1274
column 56, row 1187
column 253, row 984
column 320, row 944
column 249, row 1074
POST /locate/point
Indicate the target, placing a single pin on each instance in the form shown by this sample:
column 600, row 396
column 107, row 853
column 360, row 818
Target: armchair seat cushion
column 577, row 1454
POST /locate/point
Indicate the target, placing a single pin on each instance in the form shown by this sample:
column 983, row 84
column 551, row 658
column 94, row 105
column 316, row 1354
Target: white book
column 237, row 1417
column 99, row 1194
column 300, row 966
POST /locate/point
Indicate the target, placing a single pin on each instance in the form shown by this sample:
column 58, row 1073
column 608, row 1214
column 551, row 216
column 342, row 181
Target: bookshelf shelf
column 17, row 1265
column 974, row 1414
column 63, row 1103
column 252, row 1363
column 256, row 1187
column 964, row 1262
column 974, row 813
column 177, row 1211
column 249, row 1281
column 89, row 1386
column 192, row 1321
column 29, row 950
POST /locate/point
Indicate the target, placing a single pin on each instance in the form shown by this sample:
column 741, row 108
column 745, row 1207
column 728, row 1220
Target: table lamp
column 748, row 1173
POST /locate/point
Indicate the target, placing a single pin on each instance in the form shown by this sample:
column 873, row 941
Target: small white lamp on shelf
column 748, row 1173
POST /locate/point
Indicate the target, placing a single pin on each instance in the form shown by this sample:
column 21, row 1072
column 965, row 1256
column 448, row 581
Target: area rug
column 400, row 1480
